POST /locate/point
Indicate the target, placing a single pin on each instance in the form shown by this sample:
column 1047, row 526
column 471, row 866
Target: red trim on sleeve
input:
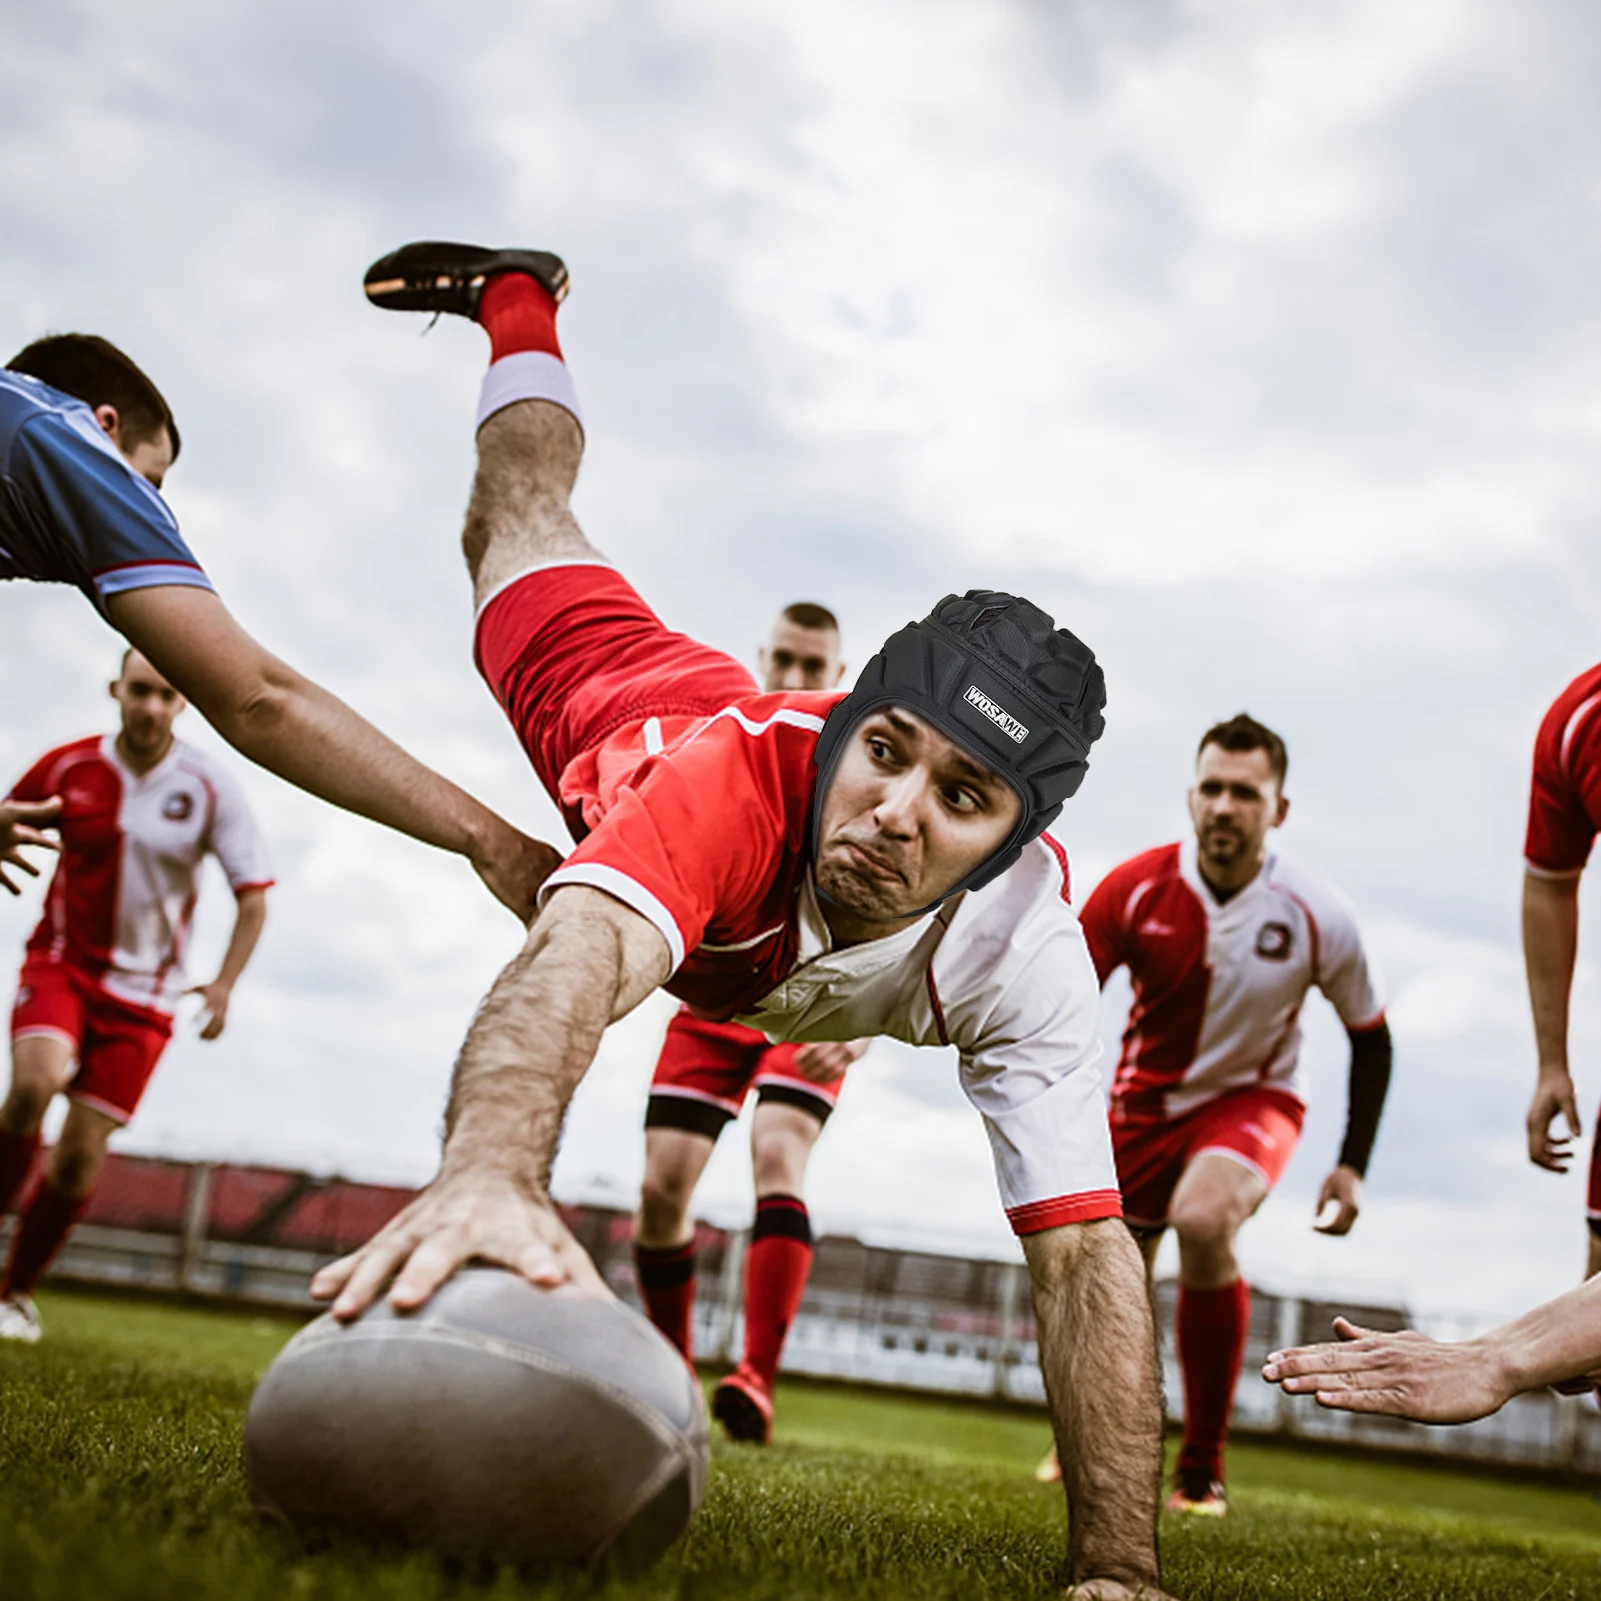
column 1059, row 852
column 1367, row 1027
column 1034, row 1217
column 260, row 883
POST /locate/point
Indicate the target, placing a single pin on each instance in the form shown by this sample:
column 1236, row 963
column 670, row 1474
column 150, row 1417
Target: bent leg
column 41, row 1065
column 664, row 1236
column 1215, row 1196
column 59, row 1199
column 520, row 516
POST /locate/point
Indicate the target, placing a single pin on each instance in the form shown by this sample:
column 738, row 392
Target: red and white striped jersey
column 120, row 903
column 1218, row 986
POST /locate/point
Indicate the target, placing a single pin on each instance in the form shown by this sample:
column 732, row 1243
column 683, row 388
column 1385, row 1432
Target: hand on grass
column 461, row 1217
column 1342, row 1189
column 1405, row 1375
column 823, row 1063
column 515, row 867
column 20, row 824
column 1552, row 1094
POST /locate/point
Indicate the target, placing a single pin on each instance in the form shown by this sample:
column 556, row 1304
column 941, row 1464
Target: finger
column 1366, row 1400
column 328, row 1280
column 436, row 1257
column 212, row 1029
column 15, row 889
column 22, row 863
column 1570, row 1111
column 374, row 1267
column 1347, row 1330
column 542, row 1266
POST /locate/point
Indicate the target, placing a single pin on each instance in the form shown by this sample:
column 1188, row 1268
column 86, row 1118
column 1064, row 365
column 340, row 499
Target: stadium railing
column 916, row 1320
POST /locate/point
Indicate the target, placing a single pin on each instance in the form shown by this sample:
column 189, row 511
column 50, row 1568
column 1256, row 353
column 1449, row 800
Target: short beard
column 869, row 901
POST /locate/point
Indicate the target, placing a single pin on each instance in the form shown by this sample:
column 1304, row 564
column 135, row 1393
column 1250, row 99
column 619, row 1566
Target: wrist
column 1554, row 1070
column 1499, row 1358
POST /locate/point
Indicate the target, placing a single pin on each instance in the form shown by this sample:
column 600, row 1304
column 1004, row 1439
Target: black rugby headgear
column 992, row 672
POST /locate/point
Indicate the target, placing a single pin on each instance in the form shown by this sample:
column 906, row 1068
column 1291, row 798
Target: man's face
column 907, row 816
column 800, row 658
column 1234, row 803
column 150, row 458
column 149, row 706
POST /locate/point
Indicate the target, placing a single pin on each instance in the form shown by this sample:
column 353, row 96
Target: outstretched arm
column 1550, row 948
column 21, row 823
column 1098, row 1354
column 588, row 961
column 250, row 917
column 1408, row 1375
column 294, row 728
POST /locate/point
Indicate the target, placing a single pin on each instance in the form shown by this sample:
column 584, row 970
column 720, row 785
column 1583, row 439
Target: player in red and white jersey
column 705, row 1072
column 103, row 971
column 1223, row 939
column 1564, row 817
column 819, row 867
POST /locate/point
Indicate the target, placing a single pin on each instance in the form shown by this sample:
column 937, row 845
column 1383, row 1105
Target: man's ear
column 108, row 419
column 1284, row 810
column 839, row 674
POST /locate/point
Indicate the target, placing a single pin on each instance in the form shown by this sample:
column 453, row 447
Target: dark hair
column 93, row 370
column 808, row 614
column 1243, row 733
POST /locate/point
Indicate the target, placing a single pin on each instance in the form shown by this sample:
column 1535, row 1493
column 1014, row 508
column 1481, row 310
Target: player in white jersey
column 1223, row 939
column 140, row 811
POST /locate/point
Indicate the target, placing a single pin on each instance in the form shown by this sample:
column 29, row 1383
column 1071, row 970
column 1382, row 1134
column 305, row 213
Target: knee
column 75, row 1166
column 1203, row 1231
column 778, row 1160
column 664, row 1199
column 24, row 1109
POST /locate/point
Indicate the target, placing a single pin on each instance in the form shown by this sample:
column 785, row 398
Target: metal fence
column 911, row 1319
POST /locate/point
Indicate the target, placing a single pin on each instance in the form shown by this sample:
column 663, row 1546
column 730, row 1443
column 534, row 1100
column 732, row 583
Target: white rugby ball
column 500, row 1422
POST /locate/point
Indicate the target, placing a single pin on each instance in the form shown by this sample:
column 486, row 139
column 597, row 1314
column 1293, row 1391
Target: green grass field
column 120, row 1478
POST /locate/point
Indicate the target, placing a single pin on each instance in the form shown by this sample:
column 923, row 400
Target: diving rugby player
column 86, row 440
column 820, row 867
column 1223, row 938
column 703, row 1076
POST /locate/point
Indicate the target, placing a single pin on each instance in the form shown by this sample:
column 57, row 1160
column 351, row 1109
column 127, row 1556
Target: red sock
column 667, row 1287
column 518, row 314
column 777, row 1266
column 47, row 1220
column 1211, row 1341
column 17, row 1153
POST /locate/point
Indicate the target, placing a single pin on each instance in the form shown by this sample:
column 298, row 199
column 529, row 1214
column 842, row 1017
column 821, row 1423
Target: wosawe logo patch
column 998, row 715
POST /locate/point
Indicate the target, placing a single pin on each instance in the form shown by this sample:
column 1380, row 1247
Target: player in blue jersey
column 85, row 442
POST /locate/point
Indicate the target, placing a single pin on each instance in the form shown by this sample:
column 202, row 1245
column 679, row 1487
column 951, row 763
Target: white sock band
column 528, row 375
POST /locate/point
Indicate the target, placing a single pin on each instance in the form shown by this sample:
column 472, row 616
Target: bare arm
column 1098, row 1354
column 588, row 961
column 21, row 823
column 250, row 917
column 1550, row 948
column 294, row 728
column 1408, row 1375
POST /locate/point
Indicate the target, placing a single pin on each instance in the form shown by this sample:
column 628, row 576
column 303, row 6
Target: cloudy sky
column 1259, row 345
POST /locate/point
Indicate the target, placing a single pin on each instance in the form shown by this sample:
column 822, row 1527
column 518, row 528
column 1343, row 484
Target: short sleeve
column 1564, row 791
column 693, row 839
column 1344, row 973
column 1029, row 1043
column 34, row 785
column 236, row 839
column 1102, row 919
column 118, row 533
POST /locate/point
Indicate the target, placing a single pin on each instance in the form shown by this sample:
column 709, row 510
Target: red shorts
column 116, row 1043
column 573, row 655
column 1593, row 1200
column 1259, row 1128
column 706, row 1070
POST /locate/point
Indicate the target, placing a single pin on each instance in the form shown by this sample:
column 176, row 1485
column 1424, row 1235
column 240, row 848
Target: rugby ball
column 545, row 1428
